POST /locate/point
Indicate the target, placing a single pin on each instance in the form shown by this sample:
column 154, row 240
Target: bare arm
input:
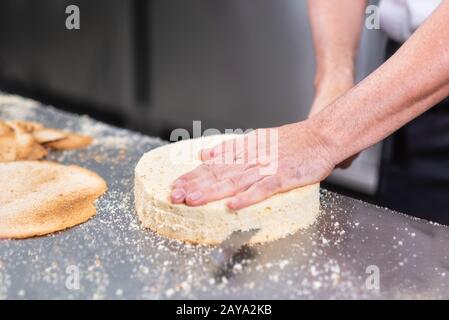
column 409, row 83
column 336, row 29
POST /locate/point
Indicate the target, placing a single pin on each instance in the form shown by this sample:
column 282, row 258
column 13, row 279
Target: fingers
column 199, row 171
column 200, row 192
column 178, row 196
column 246, row 147
column 226, row 151
column 207, row 172
column 259, row 191
column 228, row 168
column 211, row 153
column 223, row 189
column 206, row 154
column 201, row 177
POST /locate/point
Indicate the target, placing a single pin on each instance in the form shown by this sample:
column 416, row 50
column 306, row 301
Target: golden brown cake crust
column 42, row 197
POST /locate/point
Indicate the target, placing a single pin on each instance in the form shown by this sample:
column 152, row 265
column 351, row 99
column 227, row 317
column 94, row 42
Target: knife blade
column 231, row 245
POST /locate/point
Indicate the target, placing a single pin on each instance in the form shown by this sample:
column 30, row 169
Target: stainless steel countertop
column 116, row 258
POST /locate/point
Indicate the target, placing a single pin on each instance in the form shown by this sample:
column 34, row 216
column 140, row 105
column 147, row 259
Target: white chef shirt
column 400, row 18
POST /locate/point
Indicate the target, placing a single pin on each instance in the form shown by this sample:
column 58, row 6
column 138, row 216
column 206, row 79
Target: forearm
column 336, row 28
column 409, row 83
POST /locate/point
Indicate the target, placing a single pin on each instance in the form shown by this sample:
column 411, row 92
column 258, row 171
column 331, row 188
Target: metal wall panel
column 93, row 64
column 245, row 64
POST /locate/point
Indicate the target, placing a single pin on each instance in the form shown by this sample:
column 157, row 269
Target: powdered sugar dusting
column 113, row 257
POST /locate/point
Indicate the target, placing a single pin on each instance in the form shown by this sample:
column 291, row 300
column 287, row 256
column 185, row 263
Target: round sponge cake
column 276, row 217
column 42, row 197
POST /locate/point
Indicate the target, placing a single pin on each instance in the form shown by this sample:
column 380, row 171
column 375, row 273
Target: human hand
column 297, row 157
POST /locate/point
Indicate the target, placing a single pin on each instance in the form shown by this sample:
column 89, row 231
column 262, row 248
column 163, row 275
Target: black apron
column 414, row 172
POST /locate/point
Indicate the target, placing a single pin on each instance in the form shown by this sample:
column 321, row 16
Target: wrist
column 332, row 76
column 330, row 87
column 323, row 134
column 324, row 147
column 332, row 64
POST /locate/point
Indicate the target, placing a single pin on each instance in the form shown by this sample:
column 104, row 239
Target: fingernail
column 232, row 204
column 206, row 154
column 178, row 194
column 195, row 196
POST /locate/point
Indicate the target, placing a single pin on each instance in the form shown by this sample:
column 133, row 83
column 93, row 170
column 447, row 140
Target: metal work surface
column 114, row 257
